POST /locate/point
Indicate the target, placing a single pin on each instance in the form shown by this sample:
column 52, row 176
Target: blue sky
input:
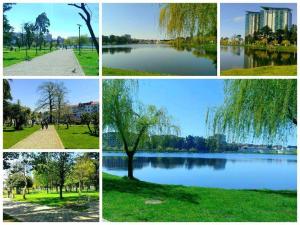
column 233, row 16
column 187, row 102
column 79, row 90
column 63, row 18
column 138, row 20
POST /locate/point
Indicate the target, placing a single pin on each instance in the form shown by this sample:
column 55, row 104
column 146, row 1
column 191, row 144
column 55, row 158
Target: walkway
column 41, row 139
column 29, row 212
column 56, row 63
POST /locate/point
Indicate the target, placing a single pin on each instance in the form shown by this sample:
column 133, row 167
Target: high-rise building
column 274, row 18
column 252, row 22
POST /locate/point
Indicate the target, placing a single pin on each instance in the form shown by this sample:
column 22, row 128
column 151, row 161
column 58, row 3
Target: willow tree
column 130, row 119
column 188, row 19
column 264, row 109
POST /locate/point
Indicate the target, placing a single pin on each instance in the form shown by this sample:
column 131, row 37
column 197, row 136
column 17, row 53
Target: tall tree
column 7, row 28
column 87, row 19
column 60, row 94
column 42, row 24
column 266, row 109
column 47, row 98
column 132, row 121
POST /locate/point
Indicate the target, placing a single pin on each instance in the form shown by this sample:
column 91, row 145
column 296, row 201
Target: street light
column 79, row 25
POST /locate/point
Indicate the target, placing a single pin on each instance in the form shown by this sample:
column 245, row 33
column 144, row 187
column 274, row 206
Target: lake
column 241, row 57
column 220, row 170
column 160, row 58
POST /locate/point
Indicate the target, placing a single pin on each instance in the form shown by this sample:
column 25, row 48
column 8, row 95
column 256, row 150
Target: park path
column 57, row 63
column 41, row 139
column 30, row 212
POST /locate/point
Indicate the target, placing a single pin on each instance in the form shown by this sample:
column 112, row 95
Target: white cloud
column 238, row 19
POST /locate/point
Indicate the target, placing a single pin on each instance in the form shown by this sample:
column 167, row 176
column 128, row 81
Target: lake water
column 241, row 57
column 160, row 58
column 232, row 171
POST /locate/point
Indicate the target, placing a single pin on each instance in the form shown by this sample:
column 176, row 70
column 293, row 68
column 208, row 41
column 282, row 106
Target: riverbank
column 124, row 72
column 271, row 48
column 290, row 70
column 126, row 200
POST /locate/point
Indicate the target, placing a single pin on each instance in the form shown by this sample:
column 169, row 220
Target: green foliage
column 133, row 121
column 125, row 200
column 265, row 109
column 125, row 72
column 189, row 19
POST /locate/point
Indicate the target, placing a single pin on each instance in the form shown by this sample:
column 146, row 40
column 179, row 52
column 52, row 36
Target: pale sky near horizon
column 63, row 18
column 187, row 102
column 233, row 15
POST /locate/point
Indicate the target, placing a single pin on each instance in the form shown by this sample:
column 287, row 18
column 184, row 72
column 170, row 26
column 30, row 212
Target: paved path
column 56, row 63
column 41, row 139
column 29, row 212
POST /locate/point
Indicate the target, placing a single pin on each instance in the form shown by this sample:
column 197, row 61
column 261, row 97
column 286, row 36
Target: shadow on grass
column 148, row 190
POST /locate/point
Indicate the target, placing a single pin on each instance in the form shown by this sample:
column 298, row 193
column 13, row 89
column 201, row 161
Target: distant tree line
column 215, row 143
column 118, row 40
column 266, row 36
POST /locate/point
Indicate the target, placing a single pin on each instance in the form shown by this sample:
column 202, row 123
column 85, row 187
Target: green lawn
column 125, row 200
column 89, row 61
column 263, row 71
column 12, row 136
column 70, row 199
column 13, row 57
column 124, row 72
column 77, row 137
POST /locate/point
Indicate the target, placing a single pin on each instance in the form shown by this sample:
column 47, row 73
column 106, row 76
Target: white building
column 81, row 108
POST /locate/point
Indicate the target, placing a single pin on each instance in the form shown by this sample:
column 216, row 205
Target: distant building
column 81, row 108
column 273, row 17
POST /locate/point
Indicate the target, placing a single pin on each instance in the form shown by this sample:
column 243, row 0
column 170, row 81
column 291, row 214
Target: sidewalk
column 41, row 139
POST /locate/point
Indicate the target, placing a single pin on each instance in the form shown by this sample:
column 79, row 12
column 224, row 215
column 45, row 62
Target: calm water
column 159, row 58
column 241, row 57
column 235, row 171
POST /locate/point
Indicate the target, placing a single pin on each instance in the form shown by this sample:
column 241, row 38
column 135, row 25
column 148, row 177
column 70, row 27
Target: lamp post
column 79, row 25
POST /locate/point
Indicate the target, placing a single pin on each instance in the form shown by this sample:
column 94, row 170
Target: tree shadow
column 148, row 190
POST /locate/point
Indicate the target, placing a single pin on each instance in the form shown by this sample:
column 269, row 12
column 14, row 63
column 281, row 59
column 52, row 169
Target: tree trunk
column 60, row 191
column 130, row 165
column 93, row 36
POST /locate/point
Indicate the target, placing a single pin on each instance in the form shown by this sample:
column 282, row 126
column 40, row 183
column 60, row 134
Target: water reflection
column 243, row 57
column 120, row 163
column 116, row 50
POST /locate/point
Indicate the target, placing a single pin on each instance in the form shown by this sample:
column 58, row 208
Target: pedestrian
column 42, row 124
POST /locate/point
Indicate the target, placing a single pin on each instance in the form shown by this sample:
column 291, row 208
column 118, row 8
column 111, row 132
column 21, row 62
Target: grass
column 77, row 137
column 8, row 218
column 263, row 70
column 125, row 200
column 13, row 57
column 89, row 61
column 12, row 136
column 125, row 72
column 70, row 199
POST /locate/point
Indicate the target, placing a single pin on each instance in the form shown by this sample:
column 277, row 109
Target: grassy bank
column 125, row 72
column 290, row 70
column 125, row 200
column 89, row 61
column 270, row 48
column 12, row 136
column 52, row 199
column 13, row 57
column 77, row 137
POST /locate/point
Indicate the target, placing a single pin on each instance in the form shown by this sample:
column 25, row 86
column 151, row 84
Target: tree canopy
column 133, row 121
column 188, row 19
column 265, row 109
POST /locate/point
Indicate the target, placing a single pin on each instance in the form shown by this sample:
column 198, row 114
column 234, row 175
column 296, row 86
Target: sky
column 139, row 20
column 63, row 18
column 187, row 102
column 78, row 90
column 233, row 16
